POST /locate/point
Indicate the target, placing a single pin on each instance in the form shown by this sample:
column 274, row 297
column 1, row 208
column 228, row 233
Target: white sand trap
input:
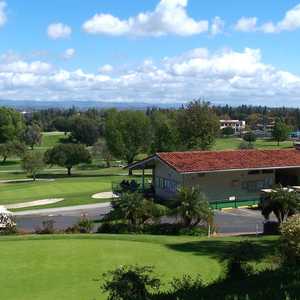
column 105, row 195
column 33, row 203
column 24, row 180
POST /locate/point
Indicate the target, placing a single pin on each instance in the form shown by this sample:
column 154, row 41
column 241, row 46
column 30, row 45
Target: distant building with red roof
column 222, row 175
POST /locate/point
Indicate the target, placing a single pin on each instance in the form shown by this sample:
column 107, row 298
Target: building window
column 166, row 184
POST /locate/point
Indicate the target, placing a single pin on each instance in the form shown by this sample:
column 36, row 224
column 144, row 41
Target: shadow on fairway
column 222, row 249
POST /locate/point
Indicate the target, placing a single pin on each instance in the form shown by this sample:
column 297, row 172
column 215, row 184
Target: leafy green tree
column 101, row 150
column 11, row 148
column 62, row 124
column 165, row 135
column 280, row 131
column 249, row 137
column 192, row 207
column 84, row 130
column 227, row 131
column 67, row 155
column 282, row 202
column 127, row 134
column 32, row 163
column 11, row 125
column 130, row 283
column 198, row 126
column 32, row 135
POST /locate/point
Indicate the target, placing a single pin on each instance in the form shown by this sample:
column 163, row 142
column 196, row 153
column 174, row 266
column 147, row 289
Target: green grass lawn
column 75, row 190
column 233, row 143
column 50, row 139
column 68, row 267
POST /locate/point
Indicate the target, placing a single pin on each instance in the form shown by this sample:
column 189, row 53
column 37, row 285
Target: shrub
column 246, row 146
column 47, row 227
column 290, row 240
column 185, row 287
column 130, row 283
column 85, row 225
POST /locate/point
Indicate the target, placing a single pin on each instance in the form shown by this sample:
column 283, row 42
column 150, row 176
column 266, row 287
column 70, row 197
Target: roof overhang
column 244, row 169
column 147, row 163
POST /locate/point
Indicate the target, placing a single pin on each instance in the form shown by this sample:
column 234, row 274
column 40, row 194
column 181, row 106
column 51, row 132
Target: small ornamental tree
column 290, row 240
column 67, row 155
column 249, row 137
column 32, row 136
column 32, row 163
column 130, row 283
column 280, row 131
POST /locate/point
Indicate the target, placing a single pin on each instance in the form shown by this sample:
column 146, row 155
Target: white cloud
column 217, row 26
column 169, row 17
column 246, row 24
column 290, row 22
column 225, row 76
column 58, row 31
column 69, row 53
column 3, row 17
column 106, row 68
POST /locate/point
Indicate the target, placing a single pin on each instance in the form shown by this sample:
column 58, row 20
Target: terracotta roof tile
column 204, row 161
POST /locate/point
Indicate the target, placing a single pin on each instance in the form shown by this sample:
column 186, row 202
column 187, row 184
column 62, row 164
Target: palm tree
column 135, row 209
column 283, row 202
column 192, row 207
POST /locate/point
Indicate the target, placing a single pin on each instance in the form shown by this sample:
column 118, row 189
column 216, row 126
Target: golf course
column 86, row 180
column 71, row 266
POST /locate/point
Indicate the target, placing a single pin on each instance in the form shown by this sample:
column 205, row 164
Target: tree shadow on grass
column 222, row 249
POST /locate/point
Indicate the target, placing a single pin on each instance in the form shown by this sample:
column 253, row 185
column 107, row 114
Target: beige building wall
column 240, row 185
column 216, row 186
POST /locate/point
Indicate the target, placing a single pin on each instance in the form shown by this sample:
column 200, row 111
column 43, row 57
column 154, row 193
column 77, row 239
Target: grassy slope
column 32, row 268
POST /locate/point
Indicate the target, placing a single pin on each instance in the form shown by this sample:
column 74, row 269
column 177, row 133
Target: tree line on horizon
column 124, row 134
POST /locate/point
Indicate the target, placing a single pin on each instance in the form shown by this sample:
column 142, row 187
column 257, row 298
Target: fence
column 234, row 203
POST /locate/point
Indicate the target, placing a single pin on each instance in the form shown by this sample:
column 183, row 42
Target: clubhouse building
column 222, row 175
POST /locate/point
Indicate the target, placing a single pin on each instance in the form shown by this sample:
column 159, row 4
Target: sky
column 154, row 51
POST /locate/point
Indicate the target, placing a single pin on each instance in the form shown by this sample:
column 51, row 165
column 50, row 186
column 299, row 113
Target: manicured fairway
column 233, row 143
column 67, row 267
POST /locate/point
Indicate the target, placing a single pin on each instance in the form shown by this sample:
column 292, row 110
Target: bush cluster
column 290, row 240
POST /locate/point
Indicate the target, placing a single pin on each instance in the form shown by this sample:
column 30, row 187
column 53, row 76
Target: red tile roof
column 204, row 161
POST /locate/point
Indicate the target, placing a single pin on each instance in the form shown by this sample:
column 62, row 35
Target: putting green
column 68, row 267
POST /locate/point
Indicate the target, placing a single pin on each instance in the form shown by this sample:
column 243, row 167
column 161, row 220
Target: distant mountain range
column 33, row 104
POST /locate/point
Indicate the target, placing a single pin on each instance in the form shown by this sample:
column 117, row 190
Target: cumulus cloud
column 106, row 68
column 3, row 17
column 246, row 24
column 225, row 76
column 169, row 17
column 290, row 22
column 217, row 26
column 58, row 31
column 69, row 53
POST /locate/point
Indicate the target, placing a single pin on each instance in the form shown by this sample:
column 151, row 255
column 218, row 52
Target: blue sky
column 151, row 50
